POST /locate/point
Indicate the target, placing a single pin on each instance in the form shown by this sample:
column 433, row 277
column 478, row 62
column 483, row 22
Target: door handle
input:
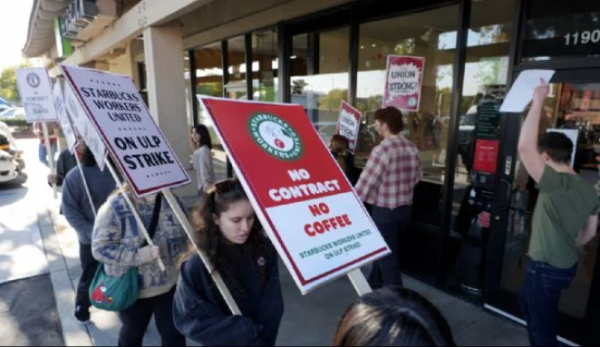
column 509, row 192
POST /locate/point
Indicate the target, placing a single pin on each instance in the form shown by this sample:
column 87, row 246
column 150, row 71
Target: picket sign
column 36, row 94
column 147, row 174
column 71, row 137
column 189, row 230
column 306, row 204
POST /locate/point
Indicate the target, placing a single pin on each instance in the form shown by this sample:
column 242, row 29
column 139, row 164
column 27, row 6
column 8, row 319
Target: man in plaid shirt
column 388, row 183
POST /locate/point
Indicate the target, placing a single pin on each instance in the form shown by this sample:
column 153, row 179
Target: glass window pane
column 265, row 66
column 237, row 87
column 320, row 73
column 561, row 29
column 432, row 35
column 209, row 75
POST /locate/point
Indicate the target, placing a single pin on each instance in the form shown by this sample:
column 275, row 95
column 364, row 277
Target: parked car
column 12, row 113
column 11, row 163
column 4, row 107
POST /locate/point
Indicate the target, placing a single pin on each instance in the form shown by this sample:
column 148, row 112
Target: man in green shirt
column 565, row 219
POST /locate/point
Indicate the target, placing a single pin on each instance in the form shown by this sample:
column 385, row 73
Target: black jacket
column 201, row 314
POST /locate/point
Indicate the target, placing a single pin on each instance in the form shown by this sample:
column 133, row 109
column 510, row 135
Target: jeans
column 89, row 266
column 540, row 300
column 387, row 271
column 137, row 318
column 43, row 153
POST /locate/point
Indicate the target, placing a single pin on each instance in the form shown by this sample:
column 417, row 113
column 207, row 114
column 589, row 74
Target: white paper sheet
column 521, row 93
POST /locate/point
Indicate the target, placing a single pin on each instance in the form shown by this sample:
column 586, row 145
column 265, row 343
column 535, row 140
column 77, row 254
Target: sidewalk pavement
column 308, row 321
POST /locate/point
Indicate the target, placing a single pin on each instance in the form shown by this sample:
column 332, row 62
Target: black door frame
column 496, row 298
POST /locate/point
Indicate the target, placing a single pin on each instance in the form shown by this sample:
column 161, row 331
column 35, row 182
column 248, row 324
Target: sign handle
column 85, row 185
column 189, row 229
column 50, row 157
column 359, row 282
column 133, row 210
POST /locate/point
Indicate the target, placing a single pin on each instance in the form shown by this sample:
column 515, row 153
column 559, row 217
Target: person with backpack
column 131, row 265
column 228, row 232
column 81, row 215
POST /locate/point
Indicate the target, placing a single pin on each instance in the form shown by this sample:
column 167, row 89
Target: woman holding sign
column 118, row 245
column 227, row 230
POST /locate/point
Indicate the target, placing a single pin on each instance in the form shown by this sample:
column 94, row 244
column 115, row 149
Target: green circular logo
column 275, row 136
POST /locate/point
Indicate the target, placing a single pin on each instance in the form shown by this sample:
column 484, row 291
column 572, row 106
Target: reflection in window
column 209, row 77
column 265, row 66
column 561, row 29
column 237, row 88
column 432, row 35
column 320, row 68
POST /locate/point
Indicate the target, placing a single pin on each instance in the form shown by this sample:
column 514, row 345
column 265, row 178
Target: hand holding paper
column 523, row 90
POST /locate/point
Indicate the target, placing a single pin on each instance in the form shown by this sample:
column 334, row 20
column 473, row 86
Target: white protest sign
column 63, row 117
column 521, row 93
column 36, row 95
column 349, row 125
column 84, row 127
column 573, row 135
column 118, row 112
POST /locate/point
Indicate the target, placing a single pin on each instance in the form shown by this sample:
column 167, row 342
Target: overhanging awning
column 41, row 37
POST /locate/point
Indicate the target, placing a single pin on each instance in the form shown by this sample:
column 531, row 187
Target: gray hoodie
column 76, row 204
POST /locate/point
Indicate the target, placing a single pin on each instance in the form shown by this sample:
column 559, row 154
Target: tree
column 333, row 100
column 8, row 84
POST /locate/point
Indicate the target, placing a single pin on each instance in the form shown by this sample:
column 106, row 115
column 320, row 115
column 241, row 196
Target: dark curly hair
column 393, row 317
column 210, row 239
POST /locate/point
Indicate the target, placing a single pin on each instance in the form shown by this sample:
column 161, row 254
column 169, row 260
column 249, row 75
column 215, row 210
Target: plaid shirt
column 393, row 171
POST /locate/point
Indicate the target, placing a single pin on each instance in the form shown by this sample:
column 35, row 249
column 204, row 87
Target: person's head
column 201, row 136
column 393, row 317
column 338, row 144
column 556, row 149
column 87, row 158
column 389, row 122
column 223, row 219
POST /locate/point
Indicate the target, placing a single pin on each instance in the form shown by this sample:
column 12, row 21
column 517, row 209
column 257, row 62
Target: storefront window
column 486, row 74
column 209, row 77
column 320, row 71
column 561, row 29
column 237, row 88
column 265, row 56
column 431, row 35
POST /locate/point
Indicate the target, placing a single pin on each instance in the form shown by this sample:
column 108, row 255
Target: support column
column 164, row 52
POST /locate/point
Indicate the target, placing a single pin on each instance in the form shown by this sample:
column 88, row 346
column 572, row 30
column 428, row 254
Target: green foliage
column 8, row 83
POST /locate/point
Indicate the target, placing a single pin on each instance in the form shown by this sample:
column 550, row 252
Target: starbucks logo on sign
column 275, row 136
column 33, row 80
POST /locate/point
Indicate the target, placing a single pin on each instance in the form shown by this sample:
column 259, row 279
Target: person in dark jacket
column 81, row 216
column 66, row 162
column 227, row 230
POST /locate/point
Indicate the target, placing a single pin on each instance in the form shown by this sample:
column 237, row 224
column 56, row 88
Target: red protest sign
column 349, row 125
column 404, row 82
column 303, row 199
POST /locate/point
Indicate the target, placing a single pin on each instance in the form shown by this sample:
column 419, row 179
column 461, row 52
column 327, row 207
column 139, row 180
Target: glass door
column 572, row 107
